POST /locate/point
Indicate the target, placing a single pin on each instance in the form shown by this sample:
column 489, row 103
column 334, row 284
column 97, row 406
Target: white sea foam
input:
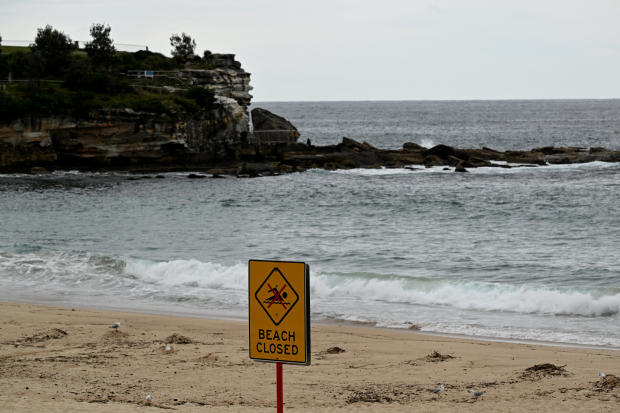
column 376, row 172
column 72, row 172
column 194, row 279
column 554, row 168
column 492, row 170
column 412, row 169
column 81, row 275
column 427, row 143
column 189, row 273
column 471, row 296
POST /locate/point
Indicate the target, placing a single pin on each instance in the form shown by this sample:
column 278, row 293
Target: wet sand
column 68, row 360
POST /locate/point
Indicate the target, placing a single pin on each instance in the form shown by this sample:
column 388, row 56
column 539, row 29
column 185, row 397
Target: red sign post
column 280, row 393
column 279, row 315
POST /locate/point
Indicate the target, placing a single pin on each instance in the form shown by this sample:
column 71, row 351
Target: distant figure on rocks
column 308, row 142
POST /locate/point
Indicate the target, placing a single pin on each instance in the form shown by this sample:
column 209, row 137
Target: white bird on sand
column 476, row 393
column 115, row 325
column 602, row 375
column 149, row 398
column 439, row 389
column 168, row 348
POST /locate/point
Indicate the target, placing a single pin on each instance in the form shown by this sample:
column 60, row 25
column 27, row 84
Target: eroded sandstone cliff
column 118, row 138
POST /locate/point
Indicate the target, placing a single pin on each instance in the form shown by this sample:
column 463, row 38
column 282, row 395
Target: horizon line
column 432, row 100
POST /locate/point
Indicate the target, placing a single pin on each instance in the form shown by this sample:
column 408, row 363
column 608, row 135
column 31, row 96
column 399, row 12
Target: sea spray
column 427, row 143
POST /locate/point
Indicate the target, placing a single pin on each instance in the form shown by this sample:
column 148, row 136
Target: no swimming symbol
column 275, row 300
column 277, row 297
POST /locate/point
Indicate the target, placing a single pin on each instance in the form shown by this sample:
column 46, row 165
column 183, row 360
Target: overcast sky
column 369, row 50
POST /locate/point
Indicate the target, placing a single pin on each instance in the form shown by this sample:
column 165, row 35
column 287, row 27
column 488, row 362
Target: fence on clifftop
column 121, row 47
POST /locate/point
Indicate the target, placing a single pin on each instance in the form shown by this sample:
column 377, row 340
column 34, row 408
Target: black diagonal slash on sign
column 267, row 296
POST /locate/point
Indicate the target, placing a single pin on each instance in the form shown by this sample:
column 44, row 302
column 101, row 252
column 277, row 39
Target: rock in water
column 271, row 128
column 38, row 170
column 460, row 168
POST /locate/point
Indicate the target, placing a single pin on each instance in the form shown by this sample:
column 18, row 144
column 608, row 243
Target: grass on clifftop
column 83, row 87
column 54, row 99
column 6, row 50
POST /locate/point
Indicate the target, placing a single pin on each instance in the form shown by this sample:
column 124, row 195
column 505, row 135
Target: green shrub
column 143, row 60
column 81, row 104
column 40, row 99
column 25, row 65
column 80, row 76
column 203, row 97
column 188, row 105
column 148, row 104
column 8, row 107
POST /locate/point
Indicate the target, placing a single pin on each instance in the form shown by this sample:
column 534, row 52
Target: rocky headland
column 221, row 145
column 190, row 131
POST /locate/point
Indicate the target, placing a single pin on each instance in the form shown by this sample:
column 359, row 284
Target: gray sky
column 370, row 50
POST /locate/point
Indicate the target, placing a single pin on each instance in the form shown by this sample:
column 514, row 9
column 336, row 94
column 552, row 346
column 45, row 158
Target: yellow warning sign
column 279, row 311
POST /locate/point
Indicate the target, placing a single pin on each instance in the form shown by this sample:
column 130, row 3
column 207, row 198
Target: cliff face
column 27, row 142
column 126, row 137
column 231, row 86
column 227, row 78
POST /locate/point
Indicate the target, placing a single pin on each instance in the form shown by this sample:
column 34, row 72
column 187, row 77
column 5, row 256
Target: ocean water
column 528, row 253
column 501, row 125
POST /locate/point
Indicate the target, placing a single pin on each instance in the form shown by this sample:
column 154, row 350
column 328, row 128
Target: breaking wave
column 474, row 295
column 226, row 285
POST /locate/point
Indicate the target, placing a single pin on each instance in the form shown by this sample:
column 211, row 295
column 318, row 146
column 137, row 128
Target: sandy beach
column 68, row 359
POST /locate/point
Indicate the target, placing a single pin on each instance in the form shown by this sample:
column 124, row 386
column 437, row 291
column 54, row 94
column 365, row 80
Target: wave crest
column 207, row 281
column 472, row 295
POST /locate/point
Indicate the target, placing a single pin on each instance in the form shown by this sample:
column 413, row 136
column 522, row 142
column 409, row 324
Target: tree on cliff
column 101, row 49
column 183, row 46
column 54, row 49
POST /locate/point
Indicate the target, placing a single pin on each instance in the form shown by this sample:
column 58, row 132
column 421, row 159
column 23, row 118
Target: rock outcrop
column 122, row 139
column 349, row 154
column 270, row 128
